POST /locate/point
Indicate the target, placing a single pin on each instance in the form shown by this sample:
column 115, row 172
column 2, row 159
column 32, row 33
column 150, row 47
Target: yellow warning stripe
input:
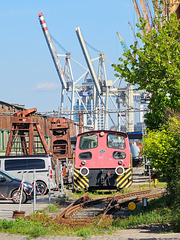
column 124, row 184
column 125, row 173
column 128, row 184
column 79, row 180
column 79, row 184
column 124, row 180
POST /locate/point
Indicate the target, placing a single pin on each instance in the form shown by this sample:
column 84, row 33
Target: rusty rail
column 84, row 197
column 85, row 201
column 75, row 207
column 118, row 206
column 107, row 208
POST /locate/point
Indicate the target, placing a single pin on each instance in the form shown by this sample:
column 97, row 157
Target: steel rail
column 84, row 197
column 78, row 204
column 118, row 206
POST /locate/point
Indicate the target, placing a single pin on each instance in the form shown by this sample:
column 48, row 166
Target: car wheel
column 41, row 187
column 16, row 197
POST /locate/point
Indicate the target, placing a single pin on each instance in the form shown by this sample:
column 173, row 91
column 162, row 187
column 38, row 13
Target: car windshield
column 7, row 174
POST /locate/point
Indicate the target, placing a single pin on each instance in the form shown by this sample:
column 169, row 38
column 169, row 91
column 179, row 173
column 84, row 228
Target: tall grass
column 140, row 219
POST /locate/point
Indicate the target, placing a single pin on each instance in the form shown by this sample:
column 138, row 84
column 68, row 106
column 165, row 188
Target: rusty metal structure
column 60, row 138
column 26, row 135
column 61, row 148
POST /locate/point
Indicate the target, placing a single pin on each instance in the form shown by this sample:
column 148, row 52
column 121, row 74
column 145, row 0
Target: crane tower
column 95, row 87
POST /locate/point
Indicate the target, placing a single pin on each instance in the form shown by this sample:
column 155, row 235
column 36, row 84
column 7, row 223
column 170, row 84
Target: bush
column 162, row 147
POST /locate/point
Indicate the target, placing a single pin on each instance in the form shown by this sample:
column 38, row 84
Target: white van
column 28, row 166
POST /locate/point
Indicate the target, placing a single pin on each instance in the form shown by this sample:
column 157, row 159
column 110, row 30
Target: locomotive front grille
column 99, row 178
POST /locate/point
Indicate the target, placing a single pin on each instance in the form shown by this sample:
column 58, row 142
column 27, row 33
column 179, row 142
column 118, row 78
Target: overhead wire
column 133, row 16
column 96, row 50
column 58, row 44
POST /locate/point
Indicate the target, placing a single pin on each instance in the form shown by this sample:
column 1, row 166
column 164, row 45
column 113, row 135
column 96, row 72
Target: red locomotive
column 102, row 161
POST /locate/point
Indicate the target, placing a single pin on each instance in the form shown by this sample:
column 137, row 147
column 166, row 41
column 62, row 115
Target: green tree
column 155, row 67
column 162, row 147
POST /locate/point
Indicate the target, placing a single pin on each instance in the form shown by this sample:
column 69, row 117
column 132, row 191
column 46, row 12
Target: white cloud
column 45, row 86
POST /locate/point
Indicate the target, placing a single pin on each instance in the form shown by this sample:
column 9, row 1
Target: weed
column 51, row 208
column 77, row 194
column 4, row 224
column 83, row 232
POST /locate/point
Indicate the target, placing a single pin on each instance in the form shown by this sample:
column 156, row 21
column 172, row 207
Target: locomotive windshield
column 115, row 141
column 88, row 141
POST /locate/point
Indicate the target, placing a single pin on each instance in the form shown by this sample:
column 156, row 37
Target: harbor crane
column 92, row 90
column 53, row 51
column 96, row 80
column 69, row 86
column 88, row 60
column 106, row 88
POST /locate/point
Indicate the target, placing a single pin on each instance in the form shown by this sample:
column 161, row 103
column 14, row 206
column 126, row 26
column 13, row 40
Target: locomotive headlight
column 101, row 134
column 83, row 162
column 84, row 171
column 119, row 170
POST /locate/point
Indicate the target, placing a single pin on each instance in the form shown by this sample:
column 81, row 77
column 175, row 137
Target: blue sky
column 28, row 75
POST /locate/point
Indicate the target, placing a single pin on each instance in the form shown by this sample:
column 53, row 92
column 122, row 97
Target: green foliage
column 83, row 232
column 140, row 219
column 78, row 194
column 175, row 221
column 51, row 208
column 4, row 224
column 155, row 67
column 163, row 149
column 157, row 211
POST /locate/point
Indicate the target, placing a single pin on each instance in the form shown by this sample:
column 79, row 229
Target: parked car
column 42, row 164
column 10, row 185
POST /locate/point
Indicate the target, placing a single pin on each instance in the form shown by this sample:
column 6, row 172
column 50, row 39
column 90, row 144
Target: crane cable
column 96, row 50
column 58, row 44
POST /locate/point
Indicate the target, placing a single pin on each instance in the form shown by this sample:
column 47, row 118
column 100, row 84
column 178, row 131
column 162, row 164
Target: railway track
column 85, row 207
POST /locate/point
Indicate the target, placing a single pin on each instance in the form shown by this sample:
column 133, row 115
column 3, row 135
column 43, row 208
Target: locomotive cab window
column 115, row 141
column 88, row 141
